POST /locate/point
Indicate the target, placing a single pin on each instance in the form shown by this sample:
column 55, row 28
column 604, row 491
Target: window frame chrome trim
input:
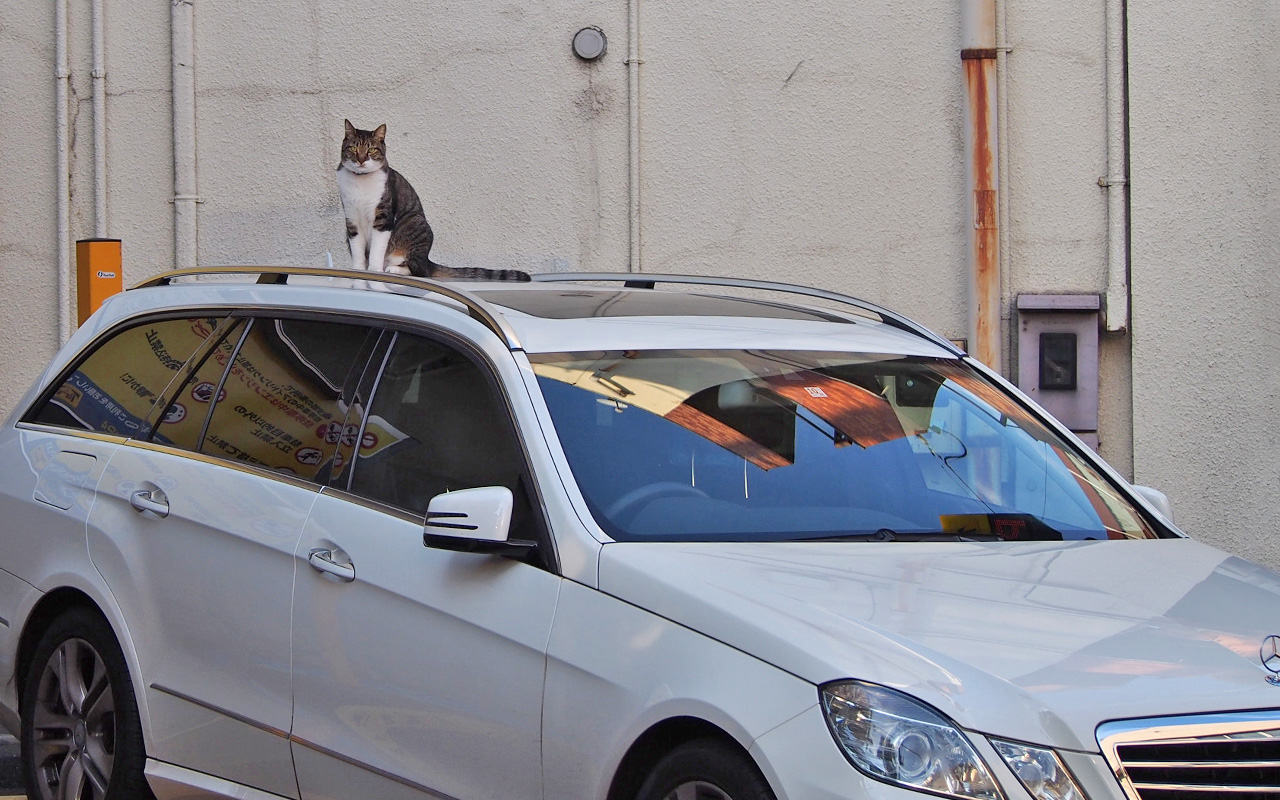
column 1177, row 730
column 44, row 427
column 239, row 466
column 374, row 505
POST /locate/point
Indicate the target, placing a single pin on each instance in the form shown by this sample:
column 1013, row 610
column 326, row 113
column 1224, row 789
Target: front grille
column 1230, row 756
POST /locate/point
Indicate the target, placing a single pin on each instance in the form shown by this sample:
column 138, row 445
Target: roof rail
column 646, row 280
column 477, row 309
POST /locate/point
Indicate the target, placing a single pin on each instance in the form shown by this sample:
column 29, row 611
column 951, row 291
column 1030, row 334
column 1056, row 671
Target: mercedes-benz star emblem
column 1270, row 655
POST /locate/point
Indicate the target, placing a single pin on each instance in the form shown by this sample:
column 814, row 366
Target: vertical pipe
column 99, row 125
column 62, row 73
column 1002, row 167
column 978, row 56
column 185, row 195
column 1116, row 181
column 633, row 129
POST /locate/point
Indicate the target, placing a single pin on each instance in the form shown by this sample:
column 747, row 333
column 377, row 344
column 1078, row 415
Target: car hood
column 1039, row 642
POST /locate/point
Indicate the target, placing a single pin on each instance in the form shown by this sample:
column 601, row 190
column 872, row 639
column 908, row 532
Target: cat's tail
column 475, row 273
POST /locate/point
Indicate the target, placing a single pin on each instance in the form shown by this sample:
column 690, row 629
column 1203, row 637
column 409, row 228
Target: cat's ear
column 380, row 132
column 351, row 129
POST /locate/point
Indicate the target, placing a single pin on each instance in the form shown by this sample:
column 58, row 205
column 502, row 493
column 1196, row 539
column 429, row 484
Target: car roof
column 570, row 312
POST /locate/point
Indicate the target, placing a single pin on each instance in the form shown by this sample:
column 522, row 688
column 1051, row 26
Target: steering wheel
column 633, row 502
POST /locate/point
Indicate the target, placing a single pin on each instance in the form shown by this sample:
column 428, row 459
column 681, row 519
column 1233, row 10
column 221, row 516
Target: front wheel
column 705, row 769
column 81, row 736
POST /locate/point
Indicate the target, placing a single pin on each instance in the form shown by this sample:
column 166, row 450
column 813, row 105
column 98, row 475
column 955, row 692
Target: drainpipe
column 62, row 74
column 185, row 196
column 1002, row 164
column 99, row 126
column 1116, row 181
column 981, row 143
column 633, row 128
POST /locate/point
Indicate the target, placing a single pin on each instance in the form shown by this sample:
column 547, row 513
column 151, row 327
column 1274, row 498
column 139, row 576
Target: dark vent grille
column 1239, row 766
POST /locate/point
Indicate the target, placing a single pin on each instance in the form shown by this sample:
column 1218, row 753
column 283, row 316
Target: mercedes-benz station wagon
column 271, row 533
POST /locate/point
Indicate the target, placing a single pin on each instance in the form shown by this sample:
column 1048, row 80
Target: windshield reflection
column 765, row 445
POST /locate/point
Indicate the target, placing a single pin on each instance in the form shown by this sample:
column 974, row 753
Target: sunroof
column 585, row 303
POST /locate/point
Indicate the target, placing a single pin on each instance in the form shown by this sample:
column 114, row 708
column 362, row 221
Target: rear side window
column 113, row 389
column 282, row 401
column 184, row 418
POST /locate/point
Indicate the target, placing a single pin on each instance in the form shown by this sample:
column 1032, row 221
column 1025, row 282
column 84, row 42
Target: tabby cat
column 387, row 230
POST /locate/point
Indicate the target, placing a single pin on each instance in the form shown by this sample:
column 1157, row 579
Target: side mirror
column 1156, row 498
column 473, row 521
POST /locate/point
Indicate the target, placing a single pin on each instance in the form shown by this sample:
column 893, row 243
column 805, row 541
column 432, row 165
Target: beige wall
column 820, row 143
column 1206, row 210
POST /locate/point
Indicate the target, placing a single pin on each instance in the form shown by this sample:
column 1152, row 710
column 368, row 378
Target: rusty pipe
column 982, row 175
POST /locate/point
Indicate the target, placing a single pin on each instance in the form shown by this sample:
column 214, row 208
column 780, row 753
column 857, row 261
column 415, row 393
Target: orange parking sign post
column 99, row 273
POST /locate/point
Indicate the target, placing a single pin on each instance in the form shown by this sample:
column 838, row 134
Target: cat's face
column 364, row 151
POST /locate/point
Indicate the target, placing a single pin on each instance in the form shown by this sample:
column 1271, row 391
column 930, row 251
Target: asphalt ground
column 10, row 768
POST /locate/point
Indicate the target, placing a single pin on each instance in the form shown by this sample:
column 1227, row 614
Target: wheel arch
column 660, row 739
column 47, row 609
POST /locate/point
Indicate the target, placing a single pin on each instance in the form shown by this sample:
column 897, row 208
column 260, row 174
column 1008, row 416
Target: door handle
column 321, row 560
column 150, row 502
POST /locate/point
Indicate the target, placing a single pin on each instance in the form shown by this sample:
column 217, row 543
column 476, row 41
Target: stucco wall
column 1205, row 98
column 815, row 142
column 28, row 225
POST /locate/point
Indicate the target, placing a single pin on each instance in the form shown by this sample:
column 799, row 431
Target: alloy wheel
column 74, row 725
column 697, row 790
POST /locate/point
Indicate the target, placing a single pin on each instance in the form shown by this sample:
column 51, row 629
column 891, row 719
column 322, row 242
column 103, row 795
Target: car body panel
column 1038, row 642
column 209, row 604
column 426, row 669
column 614, row 670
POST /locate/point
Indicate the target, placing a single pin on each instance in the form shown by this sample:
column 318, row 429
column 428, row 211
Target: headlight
column 895, row 738
column 1041, row 772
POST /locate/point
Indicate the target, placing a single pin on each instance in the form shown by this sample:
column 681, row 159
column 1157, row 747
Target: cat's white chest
column 360, row 196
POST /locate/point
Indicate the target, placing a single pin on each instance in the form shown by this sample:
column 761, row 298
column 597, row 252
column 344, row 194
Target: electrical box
column 99, row 274
column 1058, row 357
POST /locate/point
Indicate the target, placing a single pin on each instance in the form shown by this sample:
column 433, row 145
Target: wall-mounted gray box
column 1058, row 357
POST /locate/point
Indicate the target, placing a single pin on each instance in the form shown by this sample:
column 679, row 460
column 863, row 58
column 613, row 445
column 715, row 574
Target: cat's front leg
column 378, row 241
column 357, row 243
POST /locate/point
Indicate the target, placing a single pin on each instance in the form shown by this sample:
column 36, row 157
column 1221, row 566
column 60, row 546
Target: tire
column 705, row 769
column 81, row 736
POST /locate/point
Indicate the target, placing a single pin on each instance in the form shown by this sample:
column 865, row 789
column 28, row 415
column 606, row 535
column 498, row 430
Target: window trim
column 239, row 466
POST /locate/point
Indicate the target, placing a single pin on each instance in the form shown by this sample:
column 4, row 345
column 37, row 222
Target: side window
column 435, row 425
column 114, row 388
column 281, row 404
column 184, row 417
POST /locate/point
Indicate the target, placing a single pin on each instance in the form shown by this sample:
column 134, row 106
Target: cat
column 387, row 230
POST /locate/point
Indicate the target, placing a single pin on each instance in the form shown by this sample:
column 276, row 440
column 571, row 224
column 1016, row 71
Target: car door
column 68, row 435
column 418, row 672
column 194, row 532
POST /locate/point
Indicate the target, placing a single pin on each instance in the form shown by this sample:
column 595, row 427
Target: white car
column 271, row 534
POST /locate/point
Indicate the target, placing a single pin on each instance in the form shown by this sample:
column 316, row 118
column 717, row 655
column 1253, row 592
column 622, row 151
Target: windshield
column 751, row 445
